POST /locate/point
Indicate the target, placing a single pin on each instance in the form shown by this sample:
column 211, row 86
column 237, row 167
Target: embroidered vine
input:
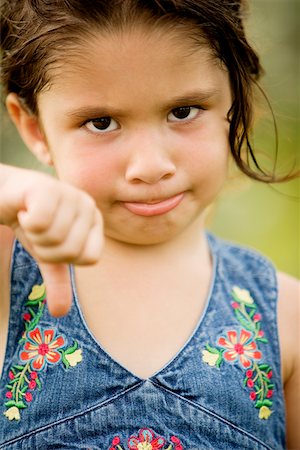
column 40, row 347
column 241, row 348
column 147, row 440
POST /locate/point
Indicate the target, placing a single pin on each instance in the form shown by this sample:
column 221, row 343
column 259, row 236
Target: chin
column 146, row 236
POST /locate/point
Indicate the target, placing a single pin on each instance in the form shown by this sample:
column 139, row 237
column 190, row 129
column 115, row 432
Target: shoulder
column 289, row 324
column 288, row 320
column 6, row 244
column 249, row 267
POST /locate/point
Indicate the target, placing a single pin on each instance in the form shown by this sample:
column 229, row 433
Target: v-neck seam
column 215, row 258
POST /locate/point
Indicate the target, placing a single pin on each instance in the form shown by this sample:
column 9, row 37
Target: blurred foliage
column 257, row 215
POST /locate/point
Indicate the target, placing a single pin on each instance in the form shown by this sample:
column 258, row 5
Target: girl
column 169, row 339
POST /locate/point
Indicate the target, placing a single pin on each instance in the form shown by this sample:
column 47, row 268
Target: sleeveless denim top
column 61, row 390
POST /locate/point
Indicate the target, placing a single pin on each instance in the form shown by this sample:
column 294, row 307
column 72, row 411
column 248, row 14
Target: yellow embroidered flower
column 210, row 358
column 264, row 412
column 12, row 413
column 37, row 292
column 145, row 446
column 74, row 358
column 242, row 295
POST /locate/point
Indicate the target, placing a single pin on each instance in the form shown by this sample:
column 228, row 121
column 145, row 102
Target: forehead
column 138, row 60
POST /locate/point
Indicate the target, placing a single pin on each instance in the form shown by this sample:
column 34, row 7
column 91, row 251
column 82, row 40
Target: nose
column 150, row 160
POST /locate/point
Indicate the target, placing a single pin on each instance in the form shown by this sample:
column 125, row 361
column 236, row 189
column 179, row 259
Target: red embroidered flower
column 41, row 347
column 146, row 441
column 235, row 305
column 28, row 397
column 116, row 440
column 32, row 384
column 26, row 317
column 242, row 348
column 250, row 383
column 252, row 395
column 11, row 375
column 8, row 394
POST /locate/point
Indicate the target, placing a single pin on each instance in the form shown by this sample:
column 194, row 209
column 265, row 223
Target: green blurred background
column 257, row 215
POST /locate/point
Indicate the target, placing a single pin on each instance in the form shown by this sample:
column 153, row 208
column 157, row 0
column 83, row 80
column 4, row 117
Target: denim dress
column 223, row 390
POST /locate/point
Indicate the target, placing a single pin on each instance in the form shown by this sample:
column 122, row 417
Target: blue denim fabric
column 188, row 404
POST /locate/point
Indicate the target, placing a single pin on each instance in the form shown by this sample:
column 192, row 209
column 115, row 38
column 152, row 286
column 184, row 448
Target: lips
column 154, row 208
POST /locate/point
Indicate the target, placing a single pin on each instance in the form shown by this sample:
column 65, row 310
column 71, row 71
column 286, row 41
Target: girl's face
column 138, row 120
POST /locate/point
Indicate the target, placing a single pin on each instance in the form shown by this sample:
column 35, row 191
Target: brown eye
column 102, row 124
column 182, row 113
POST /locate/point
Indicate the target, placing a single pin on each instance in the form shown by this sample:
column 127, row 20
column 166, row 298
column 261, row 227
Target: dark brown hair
column 35, row 34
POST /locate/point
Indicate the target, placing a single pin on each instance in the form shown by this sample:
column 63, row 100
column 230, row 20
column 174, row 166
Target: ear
column 29, row 129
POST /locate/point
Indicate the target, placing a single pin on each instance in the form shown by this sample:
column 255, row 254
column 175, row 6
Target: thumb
column 58, row 288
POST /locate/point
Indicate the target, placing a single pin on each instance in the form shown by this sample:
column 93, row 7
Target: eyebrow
column 189, row 99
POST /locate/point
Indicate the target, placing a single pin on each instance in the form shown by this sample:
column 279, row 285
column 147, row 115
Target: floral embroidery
column 147, row 440
column 40, row 347
column 241, row 348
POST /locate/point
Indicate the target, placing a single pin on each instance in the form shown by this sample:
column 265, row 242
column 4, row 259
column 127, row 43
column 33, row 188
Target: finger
column 38, row 213
column 58, row 288
column 94, row 243
column 70, row 224
column 82, row 246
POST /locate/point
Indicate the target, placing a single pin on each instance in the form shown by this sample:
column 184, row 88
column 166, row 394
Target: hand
column 57, row 224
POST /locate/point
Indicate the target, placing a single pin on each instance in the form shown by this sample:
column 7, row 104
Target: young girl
column 165, row 337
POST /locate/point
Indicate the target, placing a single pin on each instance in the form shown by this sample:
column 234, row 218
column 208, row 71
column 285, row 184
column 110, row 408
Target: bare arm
column 57, row 223
column 289, row 324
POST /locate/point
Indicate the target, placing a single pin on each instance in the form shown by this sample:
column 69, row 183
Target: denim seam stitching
column 74, row 416
column 207, row 411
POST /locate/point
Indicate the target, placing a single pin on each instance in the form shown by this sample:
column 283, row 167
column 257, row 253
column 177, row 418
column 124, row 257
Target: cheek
column 92, row 172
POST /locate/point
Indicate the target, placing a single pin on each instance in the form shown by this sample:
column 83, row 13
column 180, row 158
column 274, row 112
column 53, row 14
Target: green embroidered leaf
column 261, row 339
column 251, row 313
column 258, row 381
column 246, row 323
column 264, row 367
column 38, row 383
column 24, row 389
column 271, row 385
column 8, row 386
column 71, row 349
column 10, row 403
column 252, row 307
column 36, row 301
column 267, row 402
column 259, row 404
column 31, row 312
column 219, row 360
column 212, row 349
column 19, row 367
column 64, row 360
column 21, row 405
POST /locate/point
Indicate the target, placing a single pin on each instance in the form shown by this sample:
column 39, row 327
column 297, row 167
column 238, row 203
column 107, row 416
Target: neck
column 190, row 244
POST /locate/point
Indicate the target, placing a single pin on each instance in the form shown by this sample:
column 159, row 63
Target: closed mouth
column 154, row 207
